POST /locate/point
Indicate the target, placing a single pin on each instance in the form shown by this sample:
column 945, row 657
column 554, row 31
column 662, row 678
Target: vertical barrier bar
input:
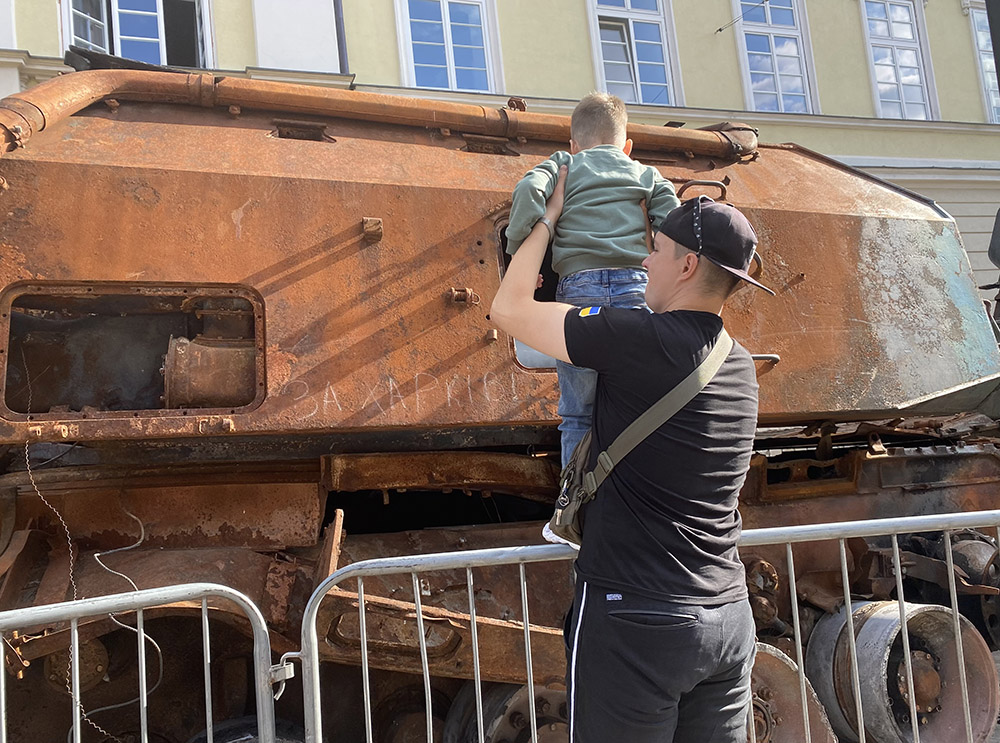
column 527, row 656
column 957, row 627
column 206, row 649
column 798, row 640
column 3, row 691
column 905, row 632
column 852, row 644
column 366, row 691
column 143, row 691
column 423, row 657
column 476, row 674
column 74, row 631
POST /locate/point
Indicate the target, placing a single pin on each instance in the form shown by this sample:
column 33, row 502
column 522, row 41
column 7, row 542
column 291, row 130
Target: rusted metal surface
column 777, row 708
column 531, row 477
column 386, row 348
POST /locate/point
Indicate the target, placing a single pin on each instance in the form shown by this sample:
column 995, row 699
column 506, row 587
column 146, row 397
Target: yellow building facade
column 904, row 89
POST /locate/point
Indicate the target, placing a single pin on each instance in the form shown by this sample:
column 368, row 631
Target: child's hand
column 554, row 206
column 538, row 284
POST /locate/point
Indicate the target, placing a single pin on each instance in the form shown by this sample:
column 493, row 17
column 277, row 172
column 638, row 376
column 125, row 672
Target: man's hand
column 514, row 310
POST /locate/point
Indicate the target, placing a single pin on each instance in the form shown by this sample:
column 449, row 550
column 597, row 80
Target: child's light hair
column 599, row 118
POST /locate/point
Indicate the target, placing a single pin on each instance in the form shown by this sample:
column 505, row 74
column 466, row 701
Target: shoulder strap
column 659, row 413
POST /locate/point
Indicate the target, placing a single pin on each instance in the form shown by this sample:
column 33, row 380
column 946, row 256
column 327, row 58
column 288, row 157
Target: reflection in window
column 774, row 56
column 448, row 45
column 166, row 32
column 633, row 51
column 987, row 64
column 896, row 60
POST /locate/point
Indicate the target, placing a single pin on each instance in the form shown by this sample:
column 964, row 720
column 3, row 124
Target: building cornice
column 31, row 69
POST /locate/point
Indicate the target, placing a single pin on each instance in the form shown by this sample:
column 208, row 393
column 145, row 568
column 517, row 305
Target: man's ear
column 574, row 147
column 691, row 261
column 627, row 149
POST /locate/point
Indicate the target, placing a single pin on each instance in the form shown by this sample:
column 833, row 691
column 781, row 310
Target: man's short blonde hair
column 599, row 118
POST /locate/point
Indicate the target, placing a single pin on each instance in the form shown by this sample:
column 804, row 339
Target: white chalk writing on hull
column 385, row 395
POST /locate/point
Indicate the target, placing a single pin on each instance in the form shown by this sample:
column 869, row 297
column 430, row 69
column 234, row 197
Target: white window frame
column 491, row 39
column 920, row 27
column 665, row 19
column 804, row 38
column 203, row 12
column 970, row 9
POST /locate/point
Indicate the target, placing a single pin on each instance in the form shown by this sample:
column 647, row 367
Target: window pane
column 758, row 43
column 431, row 77
column 644, row 5
column 786, row 45
column 613, row 32
column 646, row 52
column 876, row 10
column 782, row 17
column 432, row 54
column 878, row 28
column 789, row 65
column 424, row 31
column 795, row 104
column 427, row 10
column 752, row 14
column 888, row 92
column 652, row 73
column 466, row 79
column 882, row 54
column 656, row 94
column 143, row 51
column 885, row 74
column 467, row 35
column 792, row 84
column 470, row 56
column 464, row 13
column 93, row 8
column 765, row 102
column 760, row 63
column 900, row 13
column 143, row 26
column 88, row 30
column 891, row 110
column 147, row 5
column 902, row 31
column 913, row 93
column 780, row 3
column 614, row 52
column 907, row 57
column 618, row 72
column 612, row 3
column 625, row 92
column 762, row 83
column 916, row 111
column 646, row 31
column 909, row 75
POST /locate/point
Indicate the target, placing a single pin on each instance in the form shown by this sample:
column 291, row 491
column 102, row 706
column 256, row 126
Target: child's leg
column 577, row 386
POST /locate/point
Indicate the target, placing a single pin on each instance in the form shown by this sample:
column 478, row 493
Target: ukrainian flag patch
column 589, row 311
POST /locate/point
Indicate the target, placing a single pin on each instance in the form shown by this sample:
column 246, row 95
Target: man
column 660, row 641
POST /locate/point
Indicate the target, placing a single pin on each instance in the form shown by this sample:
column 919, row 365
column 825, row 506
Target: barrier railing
column 138, row 601
column 867, row 623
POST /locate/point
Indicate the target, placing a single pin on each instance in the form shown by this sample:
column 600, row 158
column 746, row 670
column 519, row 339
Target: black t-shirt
column 665, row 523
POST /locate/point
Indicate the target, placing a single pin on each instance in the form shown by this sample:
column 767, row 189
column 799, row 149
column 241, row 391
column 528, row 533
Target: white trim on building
column 624, row 45
column 985, row 61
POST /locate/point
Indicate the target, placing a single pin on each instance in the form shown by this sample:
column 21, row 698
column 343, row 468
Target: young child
column 599, row 245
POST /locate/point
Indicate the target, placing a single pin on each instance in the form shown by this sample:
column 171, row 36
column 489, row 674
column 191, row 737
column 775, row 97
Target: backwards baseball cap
column 718, row 232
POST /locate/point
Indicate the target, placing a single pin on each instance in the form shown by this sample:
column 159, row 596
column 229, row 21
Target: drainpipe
column 338, row 17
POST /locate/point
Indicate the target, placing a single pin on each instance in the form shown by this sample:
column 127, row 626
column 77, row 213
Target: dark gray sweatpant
column 645, row 671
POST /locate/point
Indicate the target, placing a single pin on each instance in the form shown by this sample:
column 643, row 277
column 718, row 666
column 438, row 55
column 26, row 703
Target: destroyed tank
column 245, row 339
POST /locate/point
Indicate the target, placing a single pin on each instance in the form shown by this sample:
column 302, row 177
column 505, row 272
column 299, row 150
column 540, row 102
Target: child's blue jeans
column 599, row 287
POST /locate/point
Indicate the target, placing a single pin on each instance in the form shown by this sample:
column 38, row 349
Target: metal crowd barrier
column 784, row 536
column 138, row 601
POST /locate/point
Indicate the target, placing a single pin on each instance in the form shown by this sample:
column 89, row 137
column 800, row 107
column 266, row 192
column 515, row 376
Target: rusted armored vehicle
column 244, row 338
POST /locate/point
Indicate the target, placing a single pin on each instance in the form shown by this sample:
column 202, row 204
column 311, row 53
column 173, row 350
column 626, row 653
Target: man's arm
column 530, row 195
column 514, row 310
